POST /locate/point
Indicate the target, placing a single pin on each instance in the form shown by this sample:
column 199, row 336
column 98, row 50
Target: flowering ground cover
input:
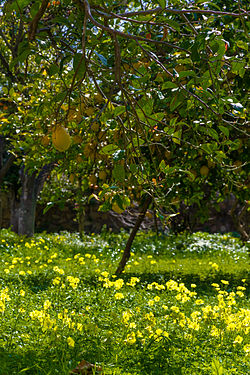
column 180, row 307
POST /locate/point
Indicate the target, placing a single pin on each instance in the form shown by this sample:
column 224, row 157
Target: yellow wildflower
column 119, row 295
column 238, row 340
column 71, row 342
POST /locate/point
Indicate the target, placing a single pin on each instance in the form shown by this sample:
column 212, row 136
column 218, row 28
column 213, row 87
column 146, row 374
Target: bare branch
column 84, row 33
column 117, row 61
column 124, row 35
column 183, row 11
column 114, row 15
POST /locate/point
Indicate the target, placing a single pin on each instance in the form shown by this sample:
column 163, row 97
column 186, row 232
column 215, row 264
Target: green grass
column 60, row 304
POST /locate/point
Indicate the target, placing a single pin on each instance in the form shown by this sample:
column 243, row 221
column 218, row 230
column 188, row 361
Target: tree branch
column 34, row 23
column 7, row 68
column 124, row 35
column 183, row 11
column 5, row 40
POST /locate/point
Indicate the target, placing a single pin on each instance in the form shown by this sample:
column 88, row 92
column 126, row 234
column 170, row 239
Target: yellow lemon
column 61, row 139
column 116, row 208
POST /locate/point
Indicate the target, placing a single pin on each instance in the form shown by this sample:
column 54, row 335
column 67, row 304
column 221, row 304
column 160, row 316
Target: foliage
column 153, row 96
column 60, row 304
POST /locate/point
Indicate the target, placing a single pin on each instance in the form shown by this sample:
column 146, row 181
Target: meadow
column 180, row 307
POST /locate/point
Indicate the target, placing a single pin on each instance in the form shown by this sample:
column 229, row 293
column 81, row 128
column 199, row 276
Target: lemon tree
column 153, row 94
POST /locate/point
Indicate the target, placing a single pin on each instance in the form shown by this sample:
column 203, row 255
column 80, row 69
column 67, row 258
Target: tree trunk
column 27, row 208
column 14, row 212
column 81, row 220
column 127, row 250
column 23, row 213
column 237, row 218
column 6, row 167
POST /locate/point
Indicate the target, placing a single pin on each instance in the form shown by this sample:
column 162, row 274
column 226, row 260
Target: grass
column 180, row 307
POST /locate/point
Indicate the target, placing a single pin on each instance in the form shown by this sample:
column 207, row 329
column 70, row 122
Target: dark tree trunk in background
column 4, row 165
column 27, row 207
column 127, row 250
column 240, row 218
column 23, row 212
column 4, row 169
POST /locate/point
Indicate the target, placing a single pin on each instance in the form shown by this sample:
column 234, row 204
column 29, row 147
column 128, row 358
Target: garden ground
column 180, row 307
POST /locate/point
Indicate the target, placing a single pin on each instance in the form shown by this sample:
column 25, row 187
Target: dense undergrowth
column 180, row 307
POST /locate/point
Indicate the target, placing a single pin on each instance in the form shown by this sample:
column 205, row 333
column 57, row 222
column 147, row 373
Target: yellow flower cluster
column 73, row 281
column 44, row 317
column 4, row 296
column 107, row 283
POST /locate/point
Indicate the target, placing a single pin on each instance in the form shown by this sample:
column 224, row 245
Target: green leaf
column 176, row 101
column 237, row 66
column 173, row 23
column 177, row 136
column 137, row 142
column 168, row 85
column 119, row 110
column 187, row 73
column 213, row 133
column 53, row 69
column 109, row 149
column 49, row 205
column 119, row 172
column 162, row 3
column 162, row 165
column 102, row 58
column 79, row 65
column 242, row 45
column 195, row 53
column 224, row 130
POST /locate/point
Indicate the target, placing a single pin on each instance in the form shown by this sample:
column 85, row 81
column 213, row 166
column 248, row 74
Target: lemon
column 102, row 175
column 204, row 170
column 45, row 140
column 77, row 139
column 95, row 127
column 90, row 111
column 117, row 208
column 61, row 139
column 92, row 179
column 72, row 178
